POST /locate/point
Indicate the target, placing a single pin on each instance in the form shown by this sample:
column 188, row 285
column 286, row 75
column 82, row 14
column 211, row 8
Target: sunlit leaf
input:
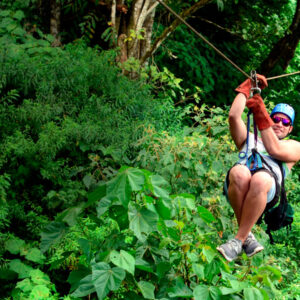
column 205, row 214
column 106, row 278
column 14, row 245
column 147, row 289
column 35, row 255
column 142, row 221
column 123, row 260
column 253, row 293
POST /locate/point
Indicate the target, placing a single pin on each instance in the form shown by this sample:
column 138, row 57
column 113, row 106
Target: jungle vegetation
column 114, row 147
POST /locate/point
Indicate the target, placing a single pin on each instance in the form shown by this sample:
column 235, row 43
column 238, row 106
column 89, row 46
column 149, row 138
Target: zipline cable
column 212, row 46
column 202, row 37
column 283, row 75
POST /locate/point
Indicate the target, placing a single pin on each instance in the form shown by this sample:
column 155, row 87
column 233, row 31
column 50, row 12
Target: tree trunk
column 130, row 24
column 55, row 22
column 159, row 40
column 284, row 50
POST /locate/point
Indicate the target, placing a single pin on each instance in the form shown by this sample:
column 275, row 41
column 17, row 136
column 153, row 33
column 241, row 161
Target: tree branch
column 159, row 40
column 220, row 27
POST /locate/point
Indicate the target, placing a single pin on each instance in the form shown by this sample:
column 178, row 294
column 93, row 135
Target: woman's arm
column 238, row 129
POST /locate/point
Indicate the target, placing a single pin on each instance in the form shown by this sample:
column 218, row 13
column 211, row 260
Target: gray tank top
column 262, row 150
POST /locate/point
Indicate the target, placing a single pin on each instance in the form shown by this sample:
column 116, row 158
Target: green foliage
column 167, row 241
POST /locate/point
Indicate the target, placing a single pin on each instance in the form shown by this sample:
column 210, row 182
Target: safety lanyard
column 255, row 158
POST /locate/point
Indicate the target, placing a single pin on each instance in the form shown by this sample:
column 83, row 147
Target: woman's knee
column 239, row 175
column 261, row 182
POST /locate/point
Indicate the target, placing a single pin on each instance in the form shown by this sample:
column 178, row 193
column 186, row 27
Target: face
column 280, row 130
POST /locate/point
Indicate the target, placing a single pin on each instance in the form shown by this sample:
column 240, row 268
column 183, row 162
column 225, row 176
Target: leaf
column 51, row 234
column 147, row 289
column 17, row 266
column 253, row 293
column 25, row 285
column 77, row 275
column 103, row 206
column 119, row 187
column 212, row 269
column 143, row 265
column 85, row 247
column 70, row 215
column 39, row 292
column 14, row 245
column 163, row 207
column 96, row 194
column 136, row 179
column 215, row 293
column 162, row 268
column 158, row 185
column 38, row 277
column 19, row 15
column 88, row 180
column 199, row 271
column 106, row 278
column 142, row 221
column 205, row 214
column 201, row 292
column 123, row 260
column 209, row 254
column 35, row 255
column 180, row 290
column 85, row 287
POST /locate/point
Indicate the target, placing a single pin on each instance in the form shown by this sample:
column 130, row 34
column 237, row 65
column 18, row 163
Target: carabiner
column 254, row 82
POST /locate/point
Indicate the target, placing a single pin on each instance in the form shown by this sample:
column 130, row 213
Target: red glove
column 261, row 116
column 246, row 86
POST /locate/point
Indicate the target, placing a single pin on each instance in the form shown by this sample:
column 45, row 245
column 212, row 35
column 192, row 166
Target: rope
column 202, row 37
column 283, row 75
column 216, row 49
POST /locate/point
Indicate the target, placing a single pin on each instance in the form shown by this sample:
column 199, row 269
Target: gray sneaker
column 251, row 246
column 231, row 249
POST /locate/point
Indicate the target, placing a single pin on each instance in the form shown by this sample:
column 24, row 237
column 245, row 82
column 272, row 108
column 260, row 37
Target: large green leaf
column 39, row 277
column 159, row 186
column 142, row 221
column 103, row 205
column 164, row 208
column 120, row 188
column 136, row 178
column 147, row 289
column 253, row 293
column 70, row 215
column 17, row 266
column 51, row 234
column 205, row 214
column 123, row 260
column 85, row 287
column 39, row 292
column 143, row 265
column 106, row 278
column 14, row 245
column 96, row 194
column 35, row 255
column 77, row 275
column 180, row 290
column 201, row 292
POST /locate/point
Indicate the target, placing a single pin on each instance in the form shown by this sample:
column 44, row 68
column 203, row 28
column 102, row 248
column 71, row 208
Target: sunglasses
column 285, row 122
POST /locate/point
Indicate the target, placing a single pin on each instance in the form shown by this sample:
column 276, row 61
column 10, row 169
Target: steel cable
column 216, row 49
